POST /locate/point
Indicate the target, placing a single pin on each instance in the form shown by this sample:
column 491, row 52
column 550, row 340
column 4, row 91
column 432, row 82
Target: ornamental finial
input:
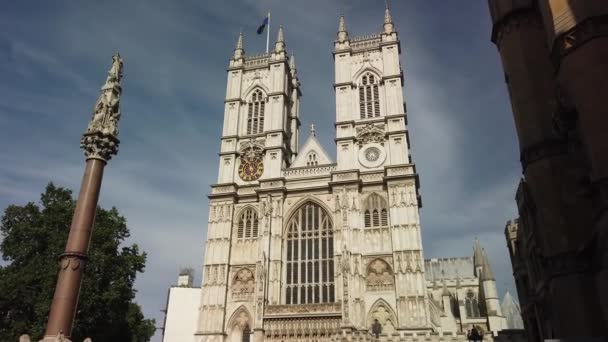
column 100, row 140
column 342, row 33
column 312, row 130
column 280, row 44
column 292, row 62
column 238, row 50
column 388, row 20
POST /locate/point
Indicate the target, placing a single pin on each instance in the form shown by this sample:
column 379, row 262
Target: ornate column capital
column 100, row 140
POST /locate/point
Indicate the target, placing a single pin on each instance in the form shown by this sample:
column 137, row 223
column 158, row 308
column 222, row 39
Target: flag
column 261, row 27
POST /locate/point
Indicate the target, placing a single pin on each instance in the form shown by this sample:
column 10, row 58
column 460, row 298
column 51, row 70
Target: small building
column 181, row 314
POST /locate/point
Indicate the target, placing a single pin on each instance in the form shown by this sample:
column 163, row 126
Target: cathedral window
column 255, row 113
column 471, row 305
column 311, row 159
column 248, row 224
column 309, row 257
column 369, row 98
column 375, row 214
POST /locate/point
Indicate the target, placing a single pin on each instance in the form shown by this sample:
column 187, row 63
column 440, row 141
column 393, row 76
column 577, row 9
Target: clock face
column 251, row 169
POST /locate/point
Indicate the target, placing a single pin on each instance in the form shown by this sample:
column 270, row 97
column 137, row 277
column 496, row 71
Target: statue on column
column 100, row 139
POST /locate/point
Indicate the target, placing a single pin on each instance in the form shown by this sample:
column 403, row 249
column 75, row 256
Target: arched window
column 255, row 113
column 311, row 159
column 309, row 256
column 375, row 214
column 369, row 98
column 248, row 224
column 471, row 305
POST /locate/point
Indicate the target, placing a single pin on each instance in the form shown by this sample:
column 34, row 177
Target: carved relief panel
column 380, row 276
column 243, row 285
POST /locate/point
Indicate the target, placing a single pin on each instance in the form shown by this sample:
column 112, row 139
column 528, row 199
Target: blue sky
column 54, row 57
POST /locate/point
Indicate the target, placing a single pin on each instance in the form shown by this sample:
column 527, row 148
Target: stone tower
column 300, row 247
column 553, row 54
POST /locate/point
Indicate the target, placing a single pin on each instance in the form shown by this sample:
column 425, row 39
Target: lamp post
column 100, row 142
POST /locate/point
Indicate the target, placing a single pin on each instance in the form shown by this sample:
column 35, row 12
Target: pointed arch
column 471, row 304
column 294, row 208
column 368, row 92
column 256, row 109
column 384, row 313
column 312, row 158
column 379, row 275
column 247, row 93
column 246, row 223
column 309, row 254
column 367, row 68
column 375, row 211
column 239, row 320
column 243, row 284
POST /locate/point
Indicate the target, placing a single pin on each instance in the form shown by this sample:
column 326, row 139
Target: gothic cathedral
column 300, row 247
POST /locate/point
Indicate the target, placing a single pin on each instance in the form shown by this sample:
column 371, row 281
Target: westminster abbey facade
column 303, row 248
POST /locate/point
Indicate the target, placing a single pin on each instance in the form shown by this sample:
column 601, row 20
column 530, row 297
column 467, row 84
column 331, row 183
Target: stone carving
column 370, row 134
column 374, row 177
column 261, row 269
column 302, row 308
column 345, row 261
column 222, row 189
column 100, row 140
column 365, row 42
column 243, row 284
column 247, row 190
column 347, row 176
column 240, row 318
column 308, row 171
column 252, row 148
column 400, row 171
column 302, row 329
column 383, row 313
column 379, row 276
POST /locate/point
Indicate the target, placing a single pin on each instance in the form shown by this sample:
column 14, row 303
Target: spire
column 486, row 271
column 342, row 33
column 477, row 254
column 342, row 24
column 388, row 20
column 387, row 13
column 238, row 50
column 292, row 64
column 312, row 130
column 279, row 46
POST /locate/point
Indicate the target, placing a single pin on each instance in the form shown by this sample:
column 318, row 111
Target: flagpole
column 268, row 33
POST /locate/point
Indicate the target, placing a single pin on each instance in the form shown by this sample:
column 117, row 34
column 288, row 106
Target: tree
column 33, row 237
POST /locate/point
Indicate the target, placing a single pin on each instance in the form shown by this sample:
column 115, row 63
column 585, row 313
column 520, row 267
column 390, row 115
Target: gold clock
column 251, row 169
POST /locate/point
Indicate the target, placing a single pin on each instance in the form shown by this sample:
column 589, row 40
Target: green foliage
column 33, row 237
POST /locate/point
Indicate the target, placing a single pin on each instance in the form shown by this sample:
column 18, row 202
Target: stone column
column 578, row 35
column 100, row 143
column 554, row 167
